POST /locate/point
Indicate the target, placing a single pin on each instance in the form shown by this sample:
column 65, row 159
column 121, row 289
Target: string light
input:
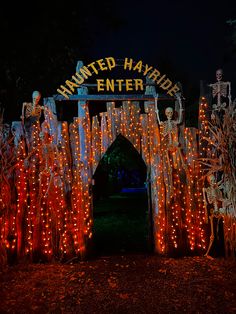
column 59, row 203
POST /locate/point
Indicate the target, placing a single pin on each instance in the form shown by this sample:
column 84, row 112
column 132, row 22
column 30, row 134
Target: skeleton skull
column 36, row 97
column 219, row 74
column 169, row 113
column 211, row 179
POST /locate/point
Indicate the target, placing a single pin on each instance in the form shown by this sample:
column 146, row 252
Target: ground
column 121, row 276
column 137, row 283
column 121, row 223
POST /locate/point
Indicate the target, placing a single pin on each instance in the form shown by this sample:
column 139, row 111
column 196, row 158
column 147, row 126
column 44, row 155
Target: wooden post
column 21, row 186
column 150, row 90
column 96, row 144
column 134, row 125
column 144, row 141
column 51, row 117
column 86, row 166
column 117, row 114
column 104, row 133
column 111, row 122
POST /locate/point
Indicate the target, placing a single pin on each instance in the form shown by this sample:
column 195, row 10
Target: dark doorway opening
column 120, row 197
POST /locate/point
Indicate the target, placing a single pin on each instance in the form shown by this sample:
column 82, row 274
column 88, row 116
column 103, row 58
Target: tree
column 232, row 44
column 42, row 45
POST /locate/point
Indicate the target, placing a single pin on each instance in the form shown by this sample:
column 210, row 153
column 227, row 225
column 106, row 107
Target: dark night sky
column 188, row 39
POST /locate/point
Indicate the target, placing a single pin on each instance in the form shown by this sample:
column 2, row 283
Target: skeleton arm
column 229, row 96
column 180, row 108
column 157, row 112
column 23, row 111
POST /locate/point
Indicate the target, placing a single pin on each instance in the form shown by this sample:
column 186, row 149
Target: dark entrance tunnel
column 121, row 215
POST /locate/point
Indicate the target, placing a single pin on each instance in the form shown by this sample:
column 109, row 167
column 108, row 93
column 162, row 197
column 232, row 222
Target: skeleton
column 220, row 89
column 212, row 195
column 32, row 109
column 31, row 113
column 169, row 133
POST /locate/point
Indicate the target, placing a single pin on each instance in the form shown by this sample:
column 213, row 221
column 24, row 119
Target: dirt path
column 121, row 284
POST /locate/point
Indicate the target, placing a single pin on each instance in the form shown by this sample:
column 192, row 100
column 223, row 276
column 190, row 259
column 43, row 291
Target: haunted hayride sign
column 120, row 84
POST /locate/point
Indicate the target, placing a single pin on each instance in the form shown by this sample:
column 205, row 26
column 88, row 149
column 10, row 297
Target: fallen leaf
column 162, row 271
column 124, row 296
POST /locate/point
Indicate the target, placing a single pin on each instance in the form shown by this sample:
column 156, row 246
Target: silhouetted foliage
column 121, row 166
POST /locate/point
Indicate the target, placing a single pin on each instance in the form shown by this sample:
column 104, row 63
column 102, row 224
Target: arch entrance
column 120, row 201
column 172, row 176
